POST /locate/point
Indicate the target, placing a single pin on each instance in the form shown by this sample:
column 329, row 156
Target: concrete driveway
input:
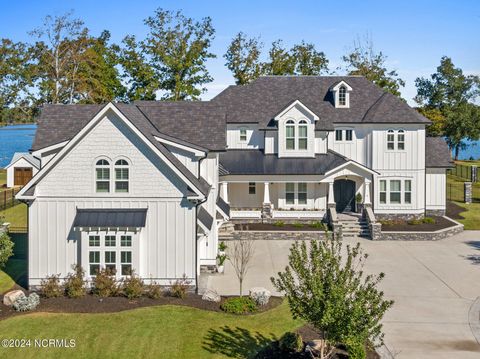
column 434, row 284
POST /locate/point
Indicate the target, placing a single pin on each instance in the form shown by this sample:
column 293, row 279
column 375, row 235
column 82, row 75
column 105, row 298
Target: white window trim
column 86, row 249
column 344, row 135
column 402, row 191
column 295, row 204
column 396, row 133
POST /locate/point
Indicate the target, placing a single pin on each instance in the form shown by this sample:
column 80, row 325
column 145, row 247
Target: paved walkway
column 434, row 285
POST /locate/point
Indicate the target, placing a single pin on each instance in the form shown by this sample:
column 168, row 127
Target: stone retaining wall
column 274, row 220
column 421, row 236
column 435, row 212
column 275, row 235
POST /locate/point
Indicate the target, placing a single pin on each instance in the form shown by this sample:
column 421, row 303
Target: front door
column 21, row 176
column 344, row 192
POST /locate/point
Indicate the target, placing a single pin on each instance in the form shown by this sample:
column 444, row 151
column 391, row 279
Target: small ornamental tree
column 325, row 285
column 6, row 249
column 240, row 256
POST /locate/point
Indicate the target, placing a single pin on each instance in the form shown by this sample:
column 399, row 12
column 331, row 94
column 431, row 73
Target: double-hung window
column 94, row 262
column 338, row 135
column 401, row 140
column 111, row 252
column 302, row 193
column 302, row 135
column 290, row 135
column 342, row 96
column 390, row 140
column 383, row 191
column 243, row 135
column 126, row 262
column 252, row 188
column 290, row 193
column 407, row 195
column 395, row 191
column 121, row 176
column 102, row 173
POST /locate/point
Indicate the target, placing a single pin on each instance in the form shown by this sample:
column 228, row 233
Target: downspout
column 198, row 203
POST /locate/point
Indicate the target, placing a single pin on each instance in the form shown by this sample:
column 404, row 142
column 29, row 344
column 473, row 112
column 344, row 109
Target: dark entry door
column 21, row 176
column 344, row 192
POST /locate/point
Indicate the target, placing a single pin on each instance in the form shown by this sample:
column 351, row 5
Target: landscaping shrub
column 154, row 290
column 104, row 283
column 132, row 286
column 317, row 224
column 25, row 304
column 414, row 222
column 260, row 298
column 291, row 342
column 239, row 305
column 74, row 283
column 297, row 225
column 429, row 220
column 222, row 247
column 6, row 248
column 180, row 287
column 279, row 223
column 50, row 287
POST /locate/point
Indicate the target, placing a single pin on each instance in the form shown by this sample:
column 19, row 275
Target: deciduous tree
column 243, row 58
column 363, row 60
column 453, row 95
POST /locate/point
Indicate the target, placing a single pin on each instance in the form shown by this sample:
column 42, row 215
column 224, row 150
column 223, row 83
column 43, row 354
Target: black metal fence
column 467, row 173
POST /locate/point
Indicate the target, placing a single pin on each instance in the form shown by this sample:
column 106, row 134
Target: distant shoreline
column 17, row 123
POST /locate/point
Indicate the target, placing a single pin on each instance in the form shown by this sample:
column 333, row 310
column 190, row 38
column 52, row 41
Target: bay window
column 395, row 191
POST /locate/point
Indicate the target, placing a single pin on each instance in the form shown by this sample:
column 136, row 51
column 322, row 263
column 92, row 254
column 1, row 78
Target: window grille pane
column 302, row 131
column 126, row 257
column 290, row 143
column 302, row 144
column 103, row 173
column 126, row 241
column 110, row 241
column 383, row 197
column 338, row 135
column 383, row 185
column 121, row 173
column 394, row 197
column 103, row 187
column 408, row 185
column 121, row 186
column 94, row 241
column 348, row 135
column 395, row 186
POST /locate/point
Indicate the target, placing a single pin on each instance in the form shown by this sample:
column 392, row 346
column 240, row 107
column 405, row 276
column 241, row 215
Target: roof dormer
column 341, row 94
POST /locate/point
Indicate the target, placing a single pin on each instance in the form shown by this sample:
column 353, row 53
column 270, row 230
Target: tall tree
column 281, row 61
column 141, row 79
column 453, row 94
column 16, row 79
column 178, row 49
column 363, row 60
column 56, row 49
column 309, row 61
column 243, row 58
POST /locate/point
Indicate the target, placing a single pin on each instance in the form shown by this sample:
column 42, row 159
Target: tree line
column 65, row 63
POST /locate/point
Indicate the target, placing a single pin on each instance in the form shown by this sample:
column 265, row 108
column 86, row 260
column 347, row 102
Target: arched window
column 400, row 140
column 390, row 140
column 302, row 135
column 342, row 96
column 290, row 135
column 102, row 176
column 121, row 176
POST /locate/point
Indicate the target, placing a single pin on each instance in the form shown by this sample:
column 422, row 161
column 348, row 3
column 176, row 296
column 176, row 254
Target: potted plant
column 358, row 201
column 222, row 247
column 221, row 258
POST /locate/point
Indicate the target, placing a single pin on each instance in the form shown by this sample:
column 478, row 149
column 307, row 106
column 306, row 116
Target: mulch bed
column 94, row 304
column 308, row 333
column 404, row 226
column 287, row 227
column 453, row 210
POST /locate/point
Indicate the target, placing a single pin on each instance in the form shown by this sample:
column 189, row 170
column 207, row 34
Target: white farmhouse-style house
column 146, row 186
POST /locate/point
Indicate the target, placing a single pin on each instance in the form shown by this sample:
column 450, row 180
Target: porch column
column 367, row 193
column 266, row 193
column 224, row 191
column 331, row 198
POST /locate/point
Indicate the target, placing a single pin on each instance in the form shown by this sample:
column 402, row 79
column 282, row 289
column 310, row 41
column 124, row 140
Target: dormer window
column 296, row 135
column 341, row 92
column 342, row 96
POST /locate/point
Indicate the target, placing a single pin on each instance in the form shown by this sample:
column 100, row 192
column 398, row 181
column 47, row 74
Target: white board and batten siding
column 254, row 136
column 435, row 185
column 163, row 250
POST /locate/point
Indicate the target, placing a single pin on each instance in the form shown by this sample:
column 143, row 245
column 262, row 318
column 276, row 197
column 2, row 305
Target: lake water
column 19, row 138
column 15, row 138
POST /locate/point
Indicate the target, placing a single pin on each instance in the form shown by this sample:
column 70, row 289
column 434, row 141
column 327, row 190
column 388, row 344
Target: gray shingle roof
column 27, row 156
column 201, row 124
column 437, row 153
column 132, row 217
column 205, row 217
column 255, row 162
column 262, row 99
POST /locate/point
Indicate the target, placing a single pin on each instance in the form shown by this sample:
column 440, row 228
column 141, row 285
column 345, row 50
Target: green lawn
column 16, row 215
column 471, row 215
column 16, row 268
column 155, row 332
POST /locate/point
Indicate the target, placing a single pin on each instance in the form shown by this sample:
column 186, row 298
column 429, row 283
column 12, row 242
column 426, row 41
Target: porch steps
column 354, row 226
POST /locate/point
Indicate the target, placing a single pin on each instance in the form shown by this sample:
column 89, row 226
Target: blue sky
column 413, row 34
